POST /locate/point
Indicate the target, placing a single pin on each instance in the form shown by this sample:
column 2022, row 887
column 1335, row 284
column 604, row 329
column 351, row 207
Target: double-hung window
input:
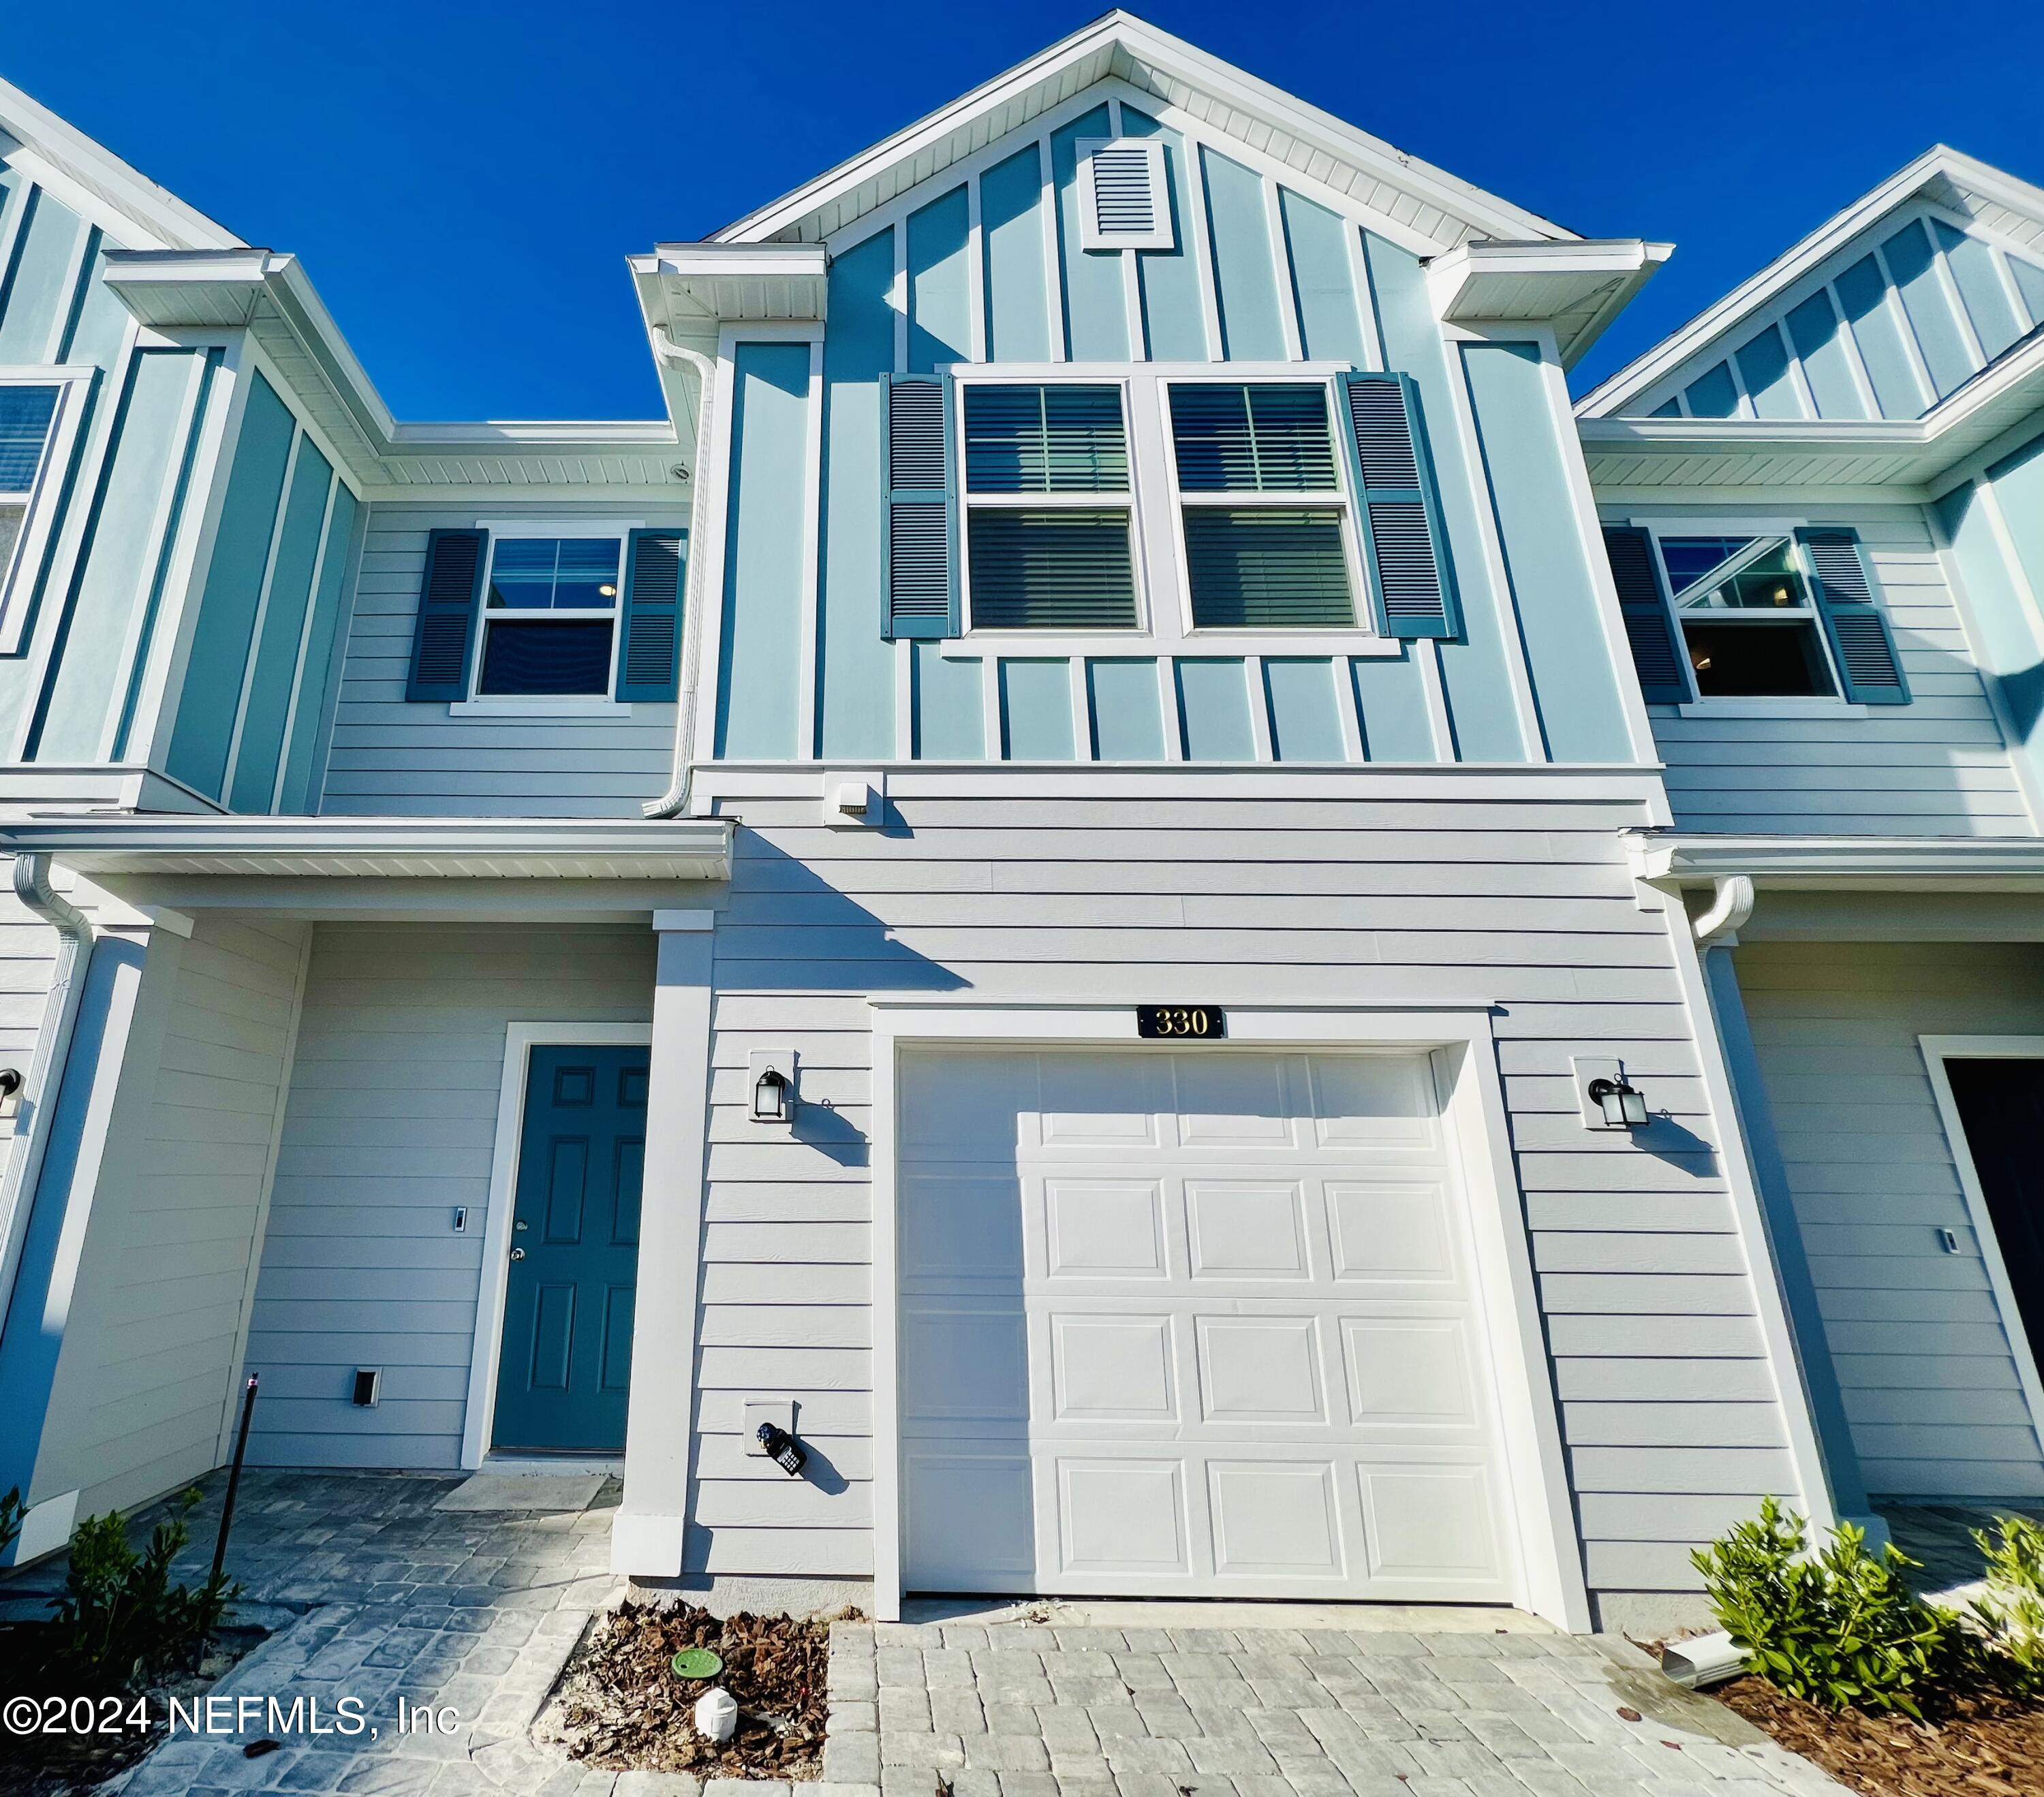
column 27, row 414
column 1261, row 506
column 549, row 616
column 1749, row 626
column 1048, row 508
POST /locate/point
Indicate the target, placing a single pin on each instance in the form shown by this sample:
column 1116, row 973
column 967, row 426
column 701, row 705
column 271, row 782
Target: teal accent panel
column 1096, row 307
column 1476, row 669
column 316, row 689
column 762, row 561
column 855, row 667
column 1173, row 312
column 99, row 325
column 1979, row 281
column 1819, row 341
column 1897, row 388
column 86, row 679
column 940, row 306
column 1322, row 281
column 1391, row 697
column 1763, row 364
column 1667, row 408
column 2018, row 489
column 1713, row 395
column 2010, row 652
column 221, row 641
column 1914, row 268
column 1213, row 709
column 1128, row 707
column 1306, row 714
column 1243, row 274
column 950, row 706
column 36, row 297
column 1575, row 683
column 1018, row 287
column 2030, row 283
column 1036, row 711
column 283, row 630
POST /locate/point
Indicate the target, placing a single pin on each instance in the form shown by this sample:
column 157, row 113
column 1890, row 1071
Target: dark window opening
column 1757, row 661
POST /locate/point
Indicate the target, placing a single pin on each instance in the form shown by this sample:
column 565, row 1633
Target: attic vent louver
column 1124, row 203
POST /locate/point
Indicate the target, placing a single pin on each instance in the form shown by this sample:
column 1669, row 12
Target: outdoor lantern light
column 773, row 1098
column 1623, row 1105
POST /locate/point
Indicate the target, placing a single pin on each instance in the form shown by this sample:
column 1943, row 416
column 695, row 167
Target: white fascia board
column 1145, row 50
column 1821, row 861
column 1792, row 264
column 1543, row 282
column 694, row 288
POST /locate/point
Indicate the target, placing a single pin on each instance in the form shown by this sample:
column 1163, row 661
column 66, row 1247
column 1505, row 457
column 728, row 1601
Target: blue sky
column 464, row 182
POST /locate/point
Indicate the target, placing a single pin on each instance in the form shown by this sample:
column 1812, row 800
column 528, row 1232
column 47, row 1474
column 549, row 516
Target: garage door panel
column 1118, row 1516
column 1109, row 1368
column 972, row 1518
column 1259, row 1369
column 1407, row 1371
column 960, row 1228
column 1277, row 1518
column 963, row 1364
column 1103, row 1229
column 1101, row 1101
column 1390, row 1229
column 1236, row 1101
column 1246, row 1229
column 1373, row 1101
column 1430, row 1524
column 965, row 1106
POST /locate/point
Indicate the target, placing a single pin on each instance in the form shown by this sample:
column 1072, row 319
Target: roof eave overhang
column 1840, row 863
column 1576, row 287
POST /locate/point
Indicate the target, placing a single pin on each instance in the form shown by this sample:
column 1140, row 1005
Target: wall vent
column 368, row 1386
column 1125, row 201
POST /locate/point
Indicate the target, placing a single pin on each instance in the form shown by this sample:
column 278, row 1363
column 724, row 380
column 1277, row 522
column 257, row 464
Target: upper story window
column 28, row 413
column 1748, row 623
column 549, row 616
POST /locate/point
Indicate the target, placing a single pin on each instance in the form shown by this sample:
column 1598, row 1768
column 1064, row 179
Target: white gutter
column 45, row 1074
column 673, row 801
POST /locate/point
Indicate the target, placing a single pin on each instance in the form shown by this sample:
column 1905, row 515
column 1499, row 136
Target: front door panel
column 566, row 1367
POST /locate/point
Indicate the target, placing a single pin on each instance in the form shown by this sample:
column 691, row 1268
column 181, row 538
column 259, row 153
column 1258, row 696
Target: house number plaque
column 1180, row 1023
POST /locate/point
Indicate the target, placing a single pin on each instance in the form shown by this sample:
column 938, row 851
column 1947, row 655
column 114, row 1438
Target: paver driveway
column 394, row 1598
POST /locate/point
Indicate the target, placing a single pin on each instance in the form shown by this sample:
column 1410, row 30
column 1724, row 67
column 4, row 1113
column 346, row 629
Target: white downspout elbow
column 1730, row 907
column 672, row 802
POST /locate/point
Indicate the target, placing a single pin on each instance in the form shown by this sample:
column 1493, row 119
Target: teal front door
column 566, row 1369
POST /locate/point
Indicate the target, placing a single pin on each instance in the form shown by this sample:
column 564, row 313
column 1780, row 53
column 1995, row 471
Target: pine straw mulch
column 620, row 1704
column 1975, row 1744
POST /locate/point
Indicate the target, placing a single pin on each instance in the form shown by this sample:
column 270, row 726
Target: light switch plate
column 780, row 1411
column 1588, row 1068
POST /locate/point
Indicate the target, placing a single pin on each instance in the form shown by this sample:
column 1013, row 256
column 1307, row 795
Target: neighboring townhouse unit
column 1061, row 883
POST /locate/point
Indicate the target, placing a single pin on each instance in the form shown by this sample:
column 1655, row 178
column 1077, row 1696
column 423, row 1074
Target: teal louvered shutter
column 1411, row 580
column 919, row 521
column 649, row 660
column 1861, row 643
column 1650, row 628
column 449, row 599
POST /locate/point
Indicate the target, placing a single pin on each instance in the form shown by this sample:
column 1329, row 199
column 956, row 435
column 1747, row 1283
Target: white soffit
column 1578, row 287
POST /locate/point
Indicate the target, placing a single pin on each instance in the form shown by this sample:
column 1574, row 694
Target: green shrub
column 1835, row 1628
column 2011, row 1612
column 120, row 1621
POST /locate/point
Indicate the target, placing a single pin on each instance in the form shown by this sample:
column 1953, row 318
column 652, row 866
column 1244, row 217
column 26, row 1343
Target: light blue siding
column 1096, row 308
column 1475, row 671
column 283, row 632
column 1392, row 700
column 1914, row 268
column 2006, row 640
column 316, row 692
column 99, row 322
column 1713, row 395
column 1174, row 315
column 1036, row 711
column 37, row 297
column 1986, row 300
column 1322, row 281
column 2030, row 283
column 1897, row 388
column 2018, row 488
column 855, row 675
column 1813, row 329
column 950, row 706
column 1243, row 271
column 1011, row 223
column 1575, row 685
column 1127, row 708
column 1213, row 706
column 1763, row 364
column 1305, row 715
column 221, row 640
column 763, row 571
column 940, row 308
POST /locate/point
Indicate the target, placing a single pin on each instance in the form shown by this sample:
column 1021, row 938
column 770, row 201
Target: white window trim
column 1936, row 1050
column 1755, row 706
column 540, row 704
column 520, row 1040
column 41, row 506
column 1548, row 1572
column 1162, row 236
column 535, row 703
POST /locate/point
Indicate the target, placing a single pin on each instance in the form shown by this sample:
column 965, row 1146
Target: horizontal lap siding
column 1669, row 1404
column 391, row 1124
column 1929, row 1387
column 1936, row 766
column 389, row 757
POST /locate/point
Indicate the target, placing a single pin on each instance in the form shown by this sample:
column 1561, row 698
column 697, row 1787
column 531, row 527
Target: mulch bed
column 1974, row 1745
column 621, row 1705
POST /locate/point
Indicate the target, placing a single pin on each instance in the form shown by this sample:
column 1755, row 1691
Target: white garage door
column 1201, row 1323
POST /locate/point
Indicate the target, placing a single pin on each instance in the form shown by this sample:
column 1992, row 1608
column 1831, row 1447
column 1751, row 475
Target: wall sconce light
column 773, row 1098
column 1623, row 1105
column 10, row 1091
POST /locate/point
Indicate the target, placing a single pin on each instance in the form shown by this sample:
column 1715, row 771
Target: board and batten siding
column 391, row 1123
column 1923, row 1362
column 390, row 758
column 1937, row 766
column 1670, row 1406
column 147, row 1379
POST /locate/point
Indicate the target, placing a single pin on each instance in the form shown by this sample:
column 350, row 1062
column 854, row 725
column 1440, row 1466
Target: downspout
column 675, row 800
column 39, row 1090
